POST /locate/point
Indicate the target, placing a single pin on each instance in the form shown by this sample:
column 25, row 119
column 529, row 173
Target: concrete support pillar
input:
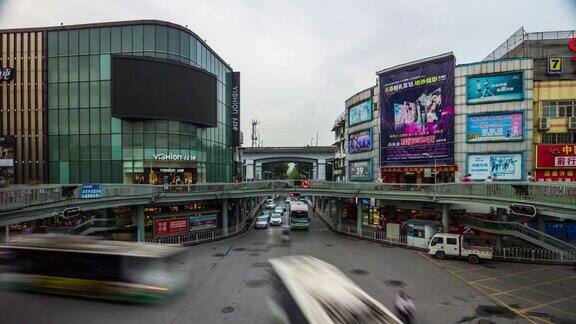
column 541, row 223
column 359, row 216
column 339, row 213
column 446, row 218
column 7, row 235
column 138, row 219
column 237, row 212
column 225, row 216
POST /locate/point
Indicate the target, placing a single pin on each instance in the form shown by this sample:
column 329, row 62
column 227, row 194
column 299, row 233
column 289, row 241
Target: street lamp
column 435, row 171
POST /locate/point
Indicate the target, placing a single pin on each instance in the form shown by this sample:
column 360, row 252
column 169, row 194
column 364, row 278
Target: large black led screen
column 147, row 88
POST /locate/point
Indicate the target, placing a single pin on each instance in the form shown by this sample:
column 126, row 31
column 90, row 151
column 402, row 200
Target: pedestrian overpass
column 255, row 157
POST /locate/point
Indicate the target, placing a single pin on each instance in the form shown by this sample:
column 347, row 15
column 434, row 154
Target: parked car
column 278, row 210
column 261, row 222
column 276, row 219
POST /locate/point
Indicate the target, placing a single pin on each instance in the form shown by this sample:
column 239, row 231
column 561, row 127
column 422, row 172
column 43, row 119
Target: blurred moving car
column 261, row 222
column 276, row 219
column 91, row 267
column 309, row 290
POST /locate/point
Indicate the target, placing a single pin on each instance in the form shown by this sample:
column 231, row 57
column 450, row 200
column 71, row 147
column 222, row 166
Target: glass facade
column 87, row 145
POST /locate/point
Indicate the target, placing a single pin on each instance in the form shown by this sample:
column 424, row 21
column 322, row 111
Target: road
column 229, row 283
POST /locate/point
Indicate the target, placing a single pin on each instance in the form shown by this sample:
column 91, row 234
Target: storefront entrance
column 173, row 176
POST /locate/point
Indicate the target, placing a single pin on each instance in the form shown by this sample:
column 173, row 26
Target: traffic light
column 523, row 210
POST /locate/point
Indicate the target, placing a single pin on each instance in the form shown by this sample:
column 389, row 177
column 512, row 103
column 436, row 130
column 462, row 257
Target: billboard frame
column 522, row 139
column 356, row 105
column 523, row 94
column 371, row 168
column 369, row 129
column 522, row 166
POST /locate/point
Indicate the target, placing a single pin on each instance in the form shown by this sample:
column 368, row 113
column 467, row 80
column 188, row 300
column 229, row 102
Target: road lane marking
column 547, row 304
column 535, row 285
column 513, row 274
column 498, row 301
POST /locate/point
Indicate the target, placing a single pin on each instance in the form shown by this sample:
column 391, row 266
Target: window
column 104, row 40
column 451, row 240
column 95, row 94
column 437, row 240
column 149, row 38
column 73, row 69
column 127, row 39
column 84, row 95
column 137, row 36
column 115, row 38
column 94, row 67
column 73, row 42
column 63, row 69
column 559, row 138
column 84, row 68
column 53, row 44
column 94, row 41
column 105, row 67
column 558, row 108
column 63, row 42
column 84, row 41
column 161, row 39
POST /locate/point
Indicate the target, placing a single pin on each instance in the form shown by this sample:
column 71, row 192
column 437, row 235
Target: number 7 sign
column 554, row 65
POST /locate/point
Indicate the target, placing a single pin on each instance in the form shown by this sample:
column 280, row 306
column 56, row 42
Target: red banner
column 168, row 227
column 556, row 156
column 555, row 175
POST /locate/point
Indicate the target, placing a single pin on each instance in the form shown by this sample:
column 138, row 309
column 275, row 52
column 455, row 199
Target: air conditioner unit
column 572, row 122
column 544, row 123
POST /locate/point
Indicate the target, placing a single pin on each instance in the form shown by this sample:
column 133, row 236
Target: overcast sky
column 301, row 59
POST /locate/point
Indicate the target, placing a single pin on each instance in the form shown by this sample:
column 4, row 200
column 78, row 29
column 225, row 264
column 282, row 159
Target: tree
column 279, row 170
column 294, row 174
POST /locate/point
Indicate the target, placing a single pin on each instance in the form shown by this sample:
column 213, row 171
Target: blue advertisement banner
column 360, row 170
column 91, row 191
column 202, row 222
column 417, row 115
column 360, row 113
column 495, row 88
column 499, row 166
column 499, row 127
column 360, row 141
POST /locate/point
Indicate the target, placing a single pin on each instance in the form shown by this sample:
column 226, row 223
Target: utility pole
column 254, row 136
column 316, row 138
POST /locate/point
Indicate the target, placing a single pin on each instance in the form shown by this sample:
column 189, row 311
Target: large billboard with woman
column 417, row 115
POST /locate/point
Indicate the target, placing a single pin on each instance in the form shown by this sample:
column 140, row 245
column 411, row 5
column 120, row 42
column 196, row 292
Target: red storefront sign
column 168, row 227
column 555, row 175
column 556, row 156
column 555, row 162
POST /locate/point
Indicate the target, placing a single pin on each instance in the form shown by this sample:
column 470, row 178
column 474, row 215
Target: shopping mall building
column 121, row 102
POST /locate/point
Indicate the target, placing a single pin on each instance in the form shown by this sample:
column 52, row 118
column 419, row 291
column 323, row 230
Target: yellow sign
column 554, row 65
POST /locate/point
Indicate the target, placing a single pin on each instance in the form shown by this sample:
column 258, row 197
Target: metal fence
column 558, row 193
column 510, row 254
column 193, row 238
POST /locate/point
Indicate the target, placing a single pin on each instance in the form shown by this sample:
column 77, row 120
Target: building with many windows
column 122, row 102
column 554, row 100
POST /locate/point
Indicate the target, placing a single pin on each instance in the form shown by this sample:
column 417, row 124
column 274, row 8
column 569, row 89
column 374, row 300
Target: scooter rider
column 404, row 307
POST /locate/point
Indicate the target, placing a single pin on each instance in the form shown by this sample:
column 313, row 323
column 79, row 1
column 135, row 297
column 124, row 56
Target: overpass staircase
column 519, row 231
column 95, row 225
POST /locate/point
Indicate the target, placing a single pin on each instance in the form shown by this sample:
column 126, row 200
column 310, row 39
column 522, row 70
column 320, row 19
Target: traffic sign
column 305, row 183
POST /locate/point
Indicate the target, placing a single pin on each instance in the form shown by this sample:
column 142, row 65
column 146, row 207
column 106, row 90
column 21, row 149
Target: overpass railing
column 16, row 197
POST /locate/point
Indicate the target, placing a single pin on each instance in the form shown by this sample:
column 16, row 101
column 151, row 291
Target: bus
column 91, row 267
column 298, row 217
column 309, row 290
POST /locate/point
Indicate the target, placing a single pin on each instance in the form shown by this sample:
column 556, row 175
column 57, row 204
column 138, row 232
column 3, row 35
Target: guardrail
column 371, row 234
column 194, row 238
column 513, row 227
column 509, row 254
column 563, row 194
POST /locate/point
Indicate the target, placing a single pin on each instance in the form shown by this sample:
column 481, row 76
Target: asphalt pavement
column 229, row 282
